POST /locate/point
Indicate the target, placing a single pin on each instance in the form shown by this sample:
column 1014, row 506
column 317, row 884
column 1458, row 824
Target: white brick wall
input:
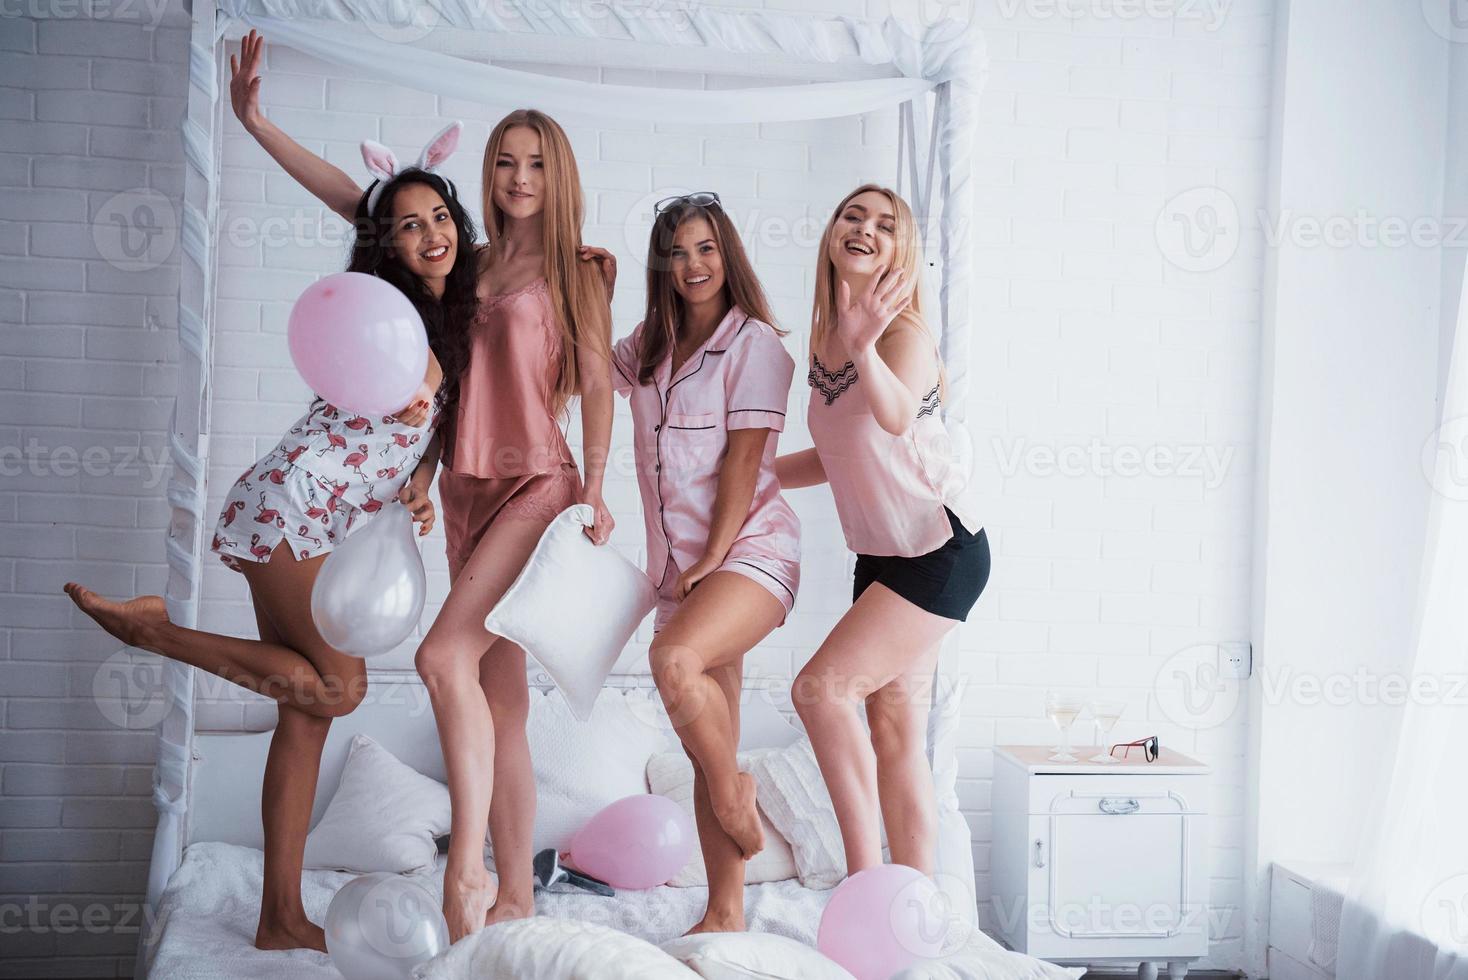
column 91, row 109
column 1089, row 337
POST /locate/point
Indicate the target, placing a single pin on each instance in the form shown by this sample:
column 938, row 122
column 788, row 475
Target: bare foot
column 506, row 908
column 718, row 922
column 466, row 902
column 134, row 622
column 739, row 816
column 296, row 934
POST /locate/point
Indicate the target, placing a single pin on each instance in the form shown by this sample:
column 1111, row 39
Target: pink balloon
column 636, row 842
column 359, row 343
column 883, row 920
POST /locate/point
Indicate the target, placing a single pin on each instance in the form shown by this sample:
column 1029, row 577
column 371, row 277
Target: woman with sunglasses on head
column 876, row 383
column 290, row 508
column 708, row 381
column 539, row 337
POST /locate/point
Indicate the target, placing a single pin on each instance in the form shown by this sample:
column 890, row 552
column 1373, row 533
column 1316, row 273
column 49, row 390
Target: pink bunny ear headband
column 383, row 165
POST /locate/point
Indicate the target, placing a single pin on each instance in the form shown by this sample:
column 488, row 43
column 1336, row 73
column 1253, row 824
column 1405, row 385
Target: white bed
column 207, row 915
column 205, row 875
column 207, row 919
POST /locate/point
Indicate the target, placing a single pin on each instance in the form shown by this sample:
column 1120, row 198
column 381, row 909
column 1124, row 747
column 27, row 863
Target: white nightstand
column 1096, row 863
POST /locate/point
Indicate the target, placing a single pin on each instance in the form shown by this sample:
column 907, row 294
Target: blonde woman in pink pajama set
column 708, row 379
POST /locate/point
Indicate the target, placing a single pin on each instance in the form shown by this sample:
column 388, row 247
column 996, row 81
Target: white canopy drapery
column 945, row 58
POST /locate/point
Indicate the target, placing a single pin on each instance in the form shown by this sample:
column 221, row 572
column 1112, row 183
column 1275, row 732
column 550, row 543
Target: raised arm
column 897, row 365
column 329, row 183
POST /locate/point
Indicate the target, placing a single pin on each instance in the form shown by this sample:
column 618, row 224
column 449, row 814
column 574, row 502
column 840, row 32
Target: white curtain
column 1406, row 911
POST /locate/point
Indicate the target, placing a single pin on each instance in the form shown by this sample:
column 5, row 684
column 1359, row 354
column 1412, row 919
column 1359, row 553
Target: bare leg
column 286, row 797
column 877, row 640
column 512, row 805
column 718, row 623
column 721, row 855
column 897, row 714
column 311, row 682
column 448, row 661
column 296, row 667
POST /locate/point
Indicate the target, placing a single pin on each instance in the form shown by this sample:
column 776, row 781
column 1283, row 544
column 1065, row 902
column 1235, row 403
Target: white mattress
column 206, row 919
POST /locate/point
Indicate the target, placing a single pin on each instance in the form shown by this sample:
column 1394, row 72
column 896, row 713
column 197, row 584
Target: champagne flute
column 1105, row 715
column 1063, row 712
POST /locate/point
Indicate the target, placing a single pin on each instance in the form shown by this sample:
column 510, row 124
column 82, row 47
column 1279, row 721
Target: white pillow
column 383, row 817
column 582, row 767
column 670, row 774
column 752, row 956
column 793, row 795
column 573, row 607
column 986, row 961
column 552, row 949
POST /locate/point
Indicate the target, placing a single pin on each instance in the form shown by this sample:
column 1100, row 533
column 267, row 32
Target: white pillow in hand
column 670, row 774
column 384, row 816
column 573, row 607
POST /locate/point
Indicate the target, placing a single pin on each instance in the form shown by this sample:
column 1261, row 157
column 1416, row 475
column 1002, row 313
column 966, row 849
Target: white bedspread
column 205, row 928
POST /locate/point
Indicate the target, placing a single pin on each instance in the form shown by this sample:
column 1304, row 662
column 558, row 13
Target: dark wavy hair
column 446, row 320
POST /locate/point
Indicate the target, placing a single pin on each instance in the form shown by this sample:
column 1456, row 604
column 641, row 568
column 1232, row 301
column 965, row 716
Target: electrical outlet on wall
column 1235, row 659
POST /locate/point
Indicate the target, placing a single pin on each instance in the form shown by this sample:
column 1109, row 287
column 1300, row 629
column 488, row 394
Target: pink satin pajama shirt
column 739, row 379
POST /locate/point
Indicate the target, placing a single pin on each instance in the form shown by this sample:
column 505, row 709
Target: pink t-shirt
column 504, row 426
column 739, row 379
column 890, row 491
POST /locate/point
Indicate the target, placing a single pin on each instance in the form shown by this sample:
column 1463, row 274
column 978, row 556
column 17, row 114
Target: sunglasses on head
column 698, row 199
column 1148, row 745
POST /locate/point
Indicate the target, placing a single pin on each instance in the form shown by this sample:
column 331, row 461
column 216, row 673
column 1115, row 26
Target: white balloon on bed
column 369, row 594
column 380, row 926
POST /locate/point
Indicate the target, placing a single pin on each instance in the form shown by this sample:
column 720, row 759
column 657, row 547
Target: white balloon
column 369, row 594
column 380, row 926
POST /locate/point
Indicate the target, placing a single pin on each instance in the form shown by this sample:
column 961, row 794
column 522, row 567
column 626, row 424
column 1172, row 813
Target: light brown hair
column 664, row 312
column 577, row 293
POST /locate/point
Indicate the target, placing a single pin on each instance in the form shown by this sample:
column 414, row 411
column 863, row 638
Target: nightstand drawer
column 1117, row 795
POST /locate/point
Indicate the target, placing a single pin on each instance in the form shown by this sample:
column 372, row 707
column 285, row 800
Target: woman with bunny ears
column 287, row 511
column 708, row 379
column 922, row 557
column 539, row 337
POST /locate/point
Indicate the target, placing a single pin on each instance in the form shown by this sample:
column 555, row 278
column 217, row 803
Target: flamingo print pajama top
column 311, row 486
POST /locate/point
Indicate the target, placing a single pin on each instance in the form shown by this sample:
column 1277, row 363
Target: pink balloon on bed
column 882, row 920
column 636, row 842
column 359, row 343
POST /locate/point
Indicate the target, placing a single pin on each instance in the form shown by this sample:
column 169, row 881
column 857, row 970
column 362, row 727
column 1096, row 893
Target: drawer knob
column 1113, row 805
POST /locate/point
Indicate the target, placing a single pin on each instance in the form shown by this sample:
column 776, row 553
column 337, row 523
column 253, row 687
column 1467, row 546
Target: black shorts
column 946, row 582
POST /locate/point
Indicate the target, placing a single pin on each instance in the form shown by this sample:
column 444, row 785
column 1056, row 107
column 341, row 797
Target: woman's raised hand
column 861, row 321
column 244, row 79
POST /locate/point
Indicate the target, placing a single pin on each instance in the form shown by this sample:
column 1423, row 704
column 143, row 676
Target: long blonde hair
column 578, row 296
column 907, row 255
